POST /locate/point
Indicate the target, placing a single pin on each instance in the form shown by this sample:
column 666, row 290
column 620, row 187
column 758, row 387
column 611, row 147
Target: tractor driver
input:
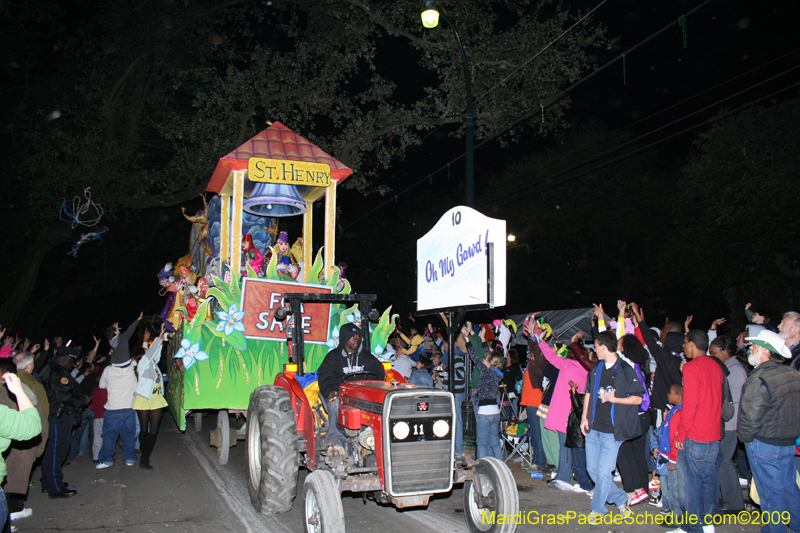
column 350, row 359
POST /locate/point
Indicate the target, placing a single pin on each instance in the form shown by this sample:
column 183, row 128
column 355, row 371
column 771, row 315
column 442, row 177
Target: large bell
column 274, row 200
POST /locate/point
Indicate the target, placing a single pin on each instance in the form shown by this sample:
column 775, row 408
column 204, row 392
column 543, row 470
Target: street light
column 430, row 19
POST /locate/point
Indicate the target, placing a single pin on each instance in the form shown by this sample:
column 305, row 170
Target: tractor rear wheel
column 499, row 496
column 271, row 450
column 322, row 509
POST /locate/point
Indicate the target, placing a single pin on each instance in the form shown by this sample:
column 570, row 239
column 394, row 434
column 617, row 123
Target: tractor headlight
column 441, row 428
column 400, row 430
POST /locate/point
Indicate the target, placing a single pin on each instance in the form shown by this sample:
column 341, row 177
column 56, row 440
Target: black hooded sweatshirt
column 668, row 364
column 338, row 364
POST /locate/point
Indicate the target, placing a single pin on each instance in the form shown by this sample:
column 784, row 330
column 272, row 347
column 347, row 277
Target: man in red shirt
column 699, row 432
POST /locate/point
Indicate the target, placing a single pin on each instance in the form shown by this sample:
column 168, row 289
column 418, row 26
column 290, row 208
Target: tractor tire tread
column 279, row 454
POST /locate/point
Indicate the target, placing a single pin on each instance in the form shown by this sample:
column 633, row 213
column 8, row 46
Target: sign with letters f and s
column 461, row 262
column 261, row 297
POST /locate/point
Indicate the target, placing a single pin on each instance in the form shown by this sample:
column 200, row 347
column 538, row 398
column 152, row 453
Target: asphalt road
column 189, row 491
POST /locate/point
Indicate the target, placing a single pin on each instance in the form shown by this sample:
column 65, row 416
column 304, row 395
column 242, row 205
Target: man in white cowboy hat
column 769, row 424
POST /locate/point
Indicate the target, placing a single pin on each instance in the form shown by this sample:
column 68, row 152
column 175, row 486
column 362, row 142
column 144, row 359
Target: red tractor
column 400, row 448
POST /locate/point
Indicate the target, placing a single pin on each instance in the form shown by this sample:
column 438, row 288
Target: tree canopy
column 139, row 100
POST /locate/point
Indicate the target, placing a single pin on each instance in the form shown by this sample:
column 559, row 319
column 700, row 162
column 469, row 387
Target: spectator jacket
column 668, row 365
column 702, row 400
column 769, row 409
column 626, row 384
column 63, row 392
column 148, row 371
column 489, row 381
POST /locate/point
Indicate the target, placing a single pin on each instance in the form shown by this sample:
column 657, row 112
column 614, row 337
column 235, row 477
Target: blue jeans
column 118, row 424
column 669, row 492
column 535, row 437
column 3, row 510
column 701, row 482
column 79, row 445
column 601, row 459
column 488, row 436
column 579, row 468
column 459, row 444
column 774, row 471
column 564, row 459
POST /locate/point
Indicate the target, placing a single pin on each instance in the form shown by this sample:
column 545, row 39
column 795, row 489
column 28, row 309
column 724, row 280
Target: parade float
column 224, row 294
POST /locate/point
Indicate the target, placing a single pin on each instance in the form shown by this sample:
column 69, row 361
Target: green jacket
column 15, row 425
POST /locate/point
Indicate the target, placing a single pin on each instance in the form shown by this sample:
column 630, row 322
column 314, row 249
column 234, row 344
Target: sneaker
column 709, row 529
column 553, row 474
column 655, row 502
column 638, row 497
column 100, row 466
column 576, row 488
column 743, row 483
column 679, row 530
column 617, row 477
column 590, row 493
column 24, row 513
column 654, row 484
column 595, row 519
column 130, row 463
column 625, row 508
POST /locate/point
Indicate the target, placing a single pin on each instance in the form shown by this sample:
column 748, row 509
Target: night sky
column 728, row 53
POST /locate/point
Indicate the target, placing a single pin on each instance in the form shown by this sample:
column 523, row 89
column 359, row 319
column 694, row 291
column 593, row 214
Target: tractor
column 400, row 446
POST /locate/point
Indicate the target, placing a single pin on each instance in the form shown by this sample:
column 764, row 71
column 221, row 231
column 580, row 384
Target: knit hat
column 283, row 237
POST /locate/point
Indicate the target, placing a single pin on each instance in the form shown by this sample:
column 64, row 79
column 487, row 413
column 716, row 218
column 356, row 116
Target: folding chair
column 512, row 431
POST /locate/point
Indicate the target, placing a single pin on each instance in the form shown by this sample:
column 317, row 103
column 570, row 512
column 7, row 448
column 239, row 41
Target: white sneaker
column 576, row 488
column 708, row 529
column 24, row 513
column 617, row 477
column 679, row 530
column 553, row 474
column 100, row 466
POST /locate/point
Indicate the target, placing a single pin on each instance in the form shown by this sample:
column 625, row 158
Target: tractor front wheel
column 322, row 512
column 271, row 450
column 496, row 496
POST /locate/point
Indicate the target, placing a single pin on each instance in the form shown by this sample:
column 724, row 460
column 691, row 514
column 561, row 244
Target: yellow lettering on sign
column 289, row 172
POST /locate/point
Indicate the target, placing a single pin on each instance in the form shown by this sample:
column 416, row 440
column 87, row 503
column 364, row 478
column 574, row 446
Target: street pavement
column 189, row 491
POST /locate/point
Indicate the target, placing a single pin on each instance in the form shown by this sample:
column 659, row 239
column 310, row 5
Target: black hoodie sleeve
column 330, row 374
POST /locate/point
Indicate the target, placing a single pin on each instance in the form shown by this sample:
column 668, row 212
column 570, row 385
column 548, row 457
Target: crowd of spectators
column 683, row 419
column 689, row 421
column 61, row 403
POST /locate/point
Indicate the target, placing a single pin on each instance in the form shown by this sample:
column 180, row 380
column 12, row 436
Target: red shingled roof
column 275, row 142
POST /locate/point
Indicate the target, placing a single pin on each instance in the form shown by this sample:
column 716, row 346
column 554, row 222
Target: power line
column 540, row 52
column 621, row 158
column 529, row 113
column 598, row 156
column 627, row 155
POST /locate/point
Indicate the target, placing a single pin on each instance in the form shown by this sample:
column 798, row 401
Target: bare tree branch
column 391, row 28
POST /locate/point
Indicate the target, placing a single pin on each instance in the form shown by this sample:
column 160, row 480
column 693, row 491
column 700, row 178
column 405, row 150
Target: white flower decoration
column 190, row 353
column 231, row 320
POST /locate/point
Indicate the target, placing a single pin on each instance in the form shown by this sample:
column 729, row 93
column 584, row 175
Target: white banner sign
column 454, row 268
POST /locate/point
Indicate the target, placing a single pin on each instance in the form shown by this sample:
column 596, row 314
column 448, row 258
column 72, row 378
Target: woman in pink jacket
column 569, row 369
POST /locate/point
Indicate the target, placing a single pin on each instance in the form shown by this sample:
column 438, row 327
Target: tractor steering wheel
column 361, row 373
